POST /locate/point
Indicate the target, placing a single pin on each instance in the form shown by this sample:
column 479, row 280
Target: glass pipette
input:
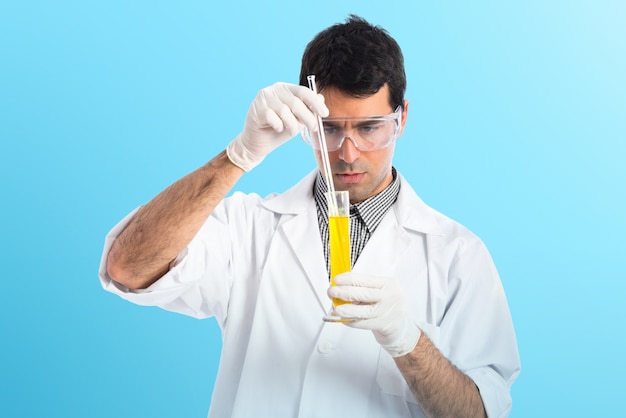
column 332, row 206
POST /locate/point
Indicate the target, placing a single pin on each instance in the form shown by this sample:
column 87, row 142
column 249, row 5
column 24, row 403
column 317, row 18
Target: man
column 432, row 333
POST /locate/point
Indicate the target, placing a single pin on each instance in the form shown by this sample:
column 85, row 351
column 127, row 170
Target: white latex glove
column 378, row 304
column 276, row 115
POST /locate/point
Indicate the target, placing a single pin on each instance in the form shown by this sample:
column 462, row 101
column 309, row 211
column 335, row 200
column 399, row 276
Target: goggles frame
column 358, row 142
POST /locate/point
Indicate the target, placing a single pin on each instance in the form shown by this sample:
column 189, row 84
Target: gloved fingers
column 281, row 119
column 357, row 311
column 362, row 280
column 285, row 107
column 313, row 101
column 377, row 310
column 268, row 117
column 369, row 324
column 291, row 119
column 269, row 110
column 355, row 294
column 303, row 103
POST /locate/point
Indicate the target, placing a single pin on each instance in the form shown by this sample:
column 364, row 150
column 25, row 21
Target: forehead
column 340, row 104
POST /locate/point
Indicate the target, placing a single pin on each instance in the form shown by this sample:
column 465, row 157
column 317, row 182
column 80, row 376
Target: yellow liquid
column 339, row 249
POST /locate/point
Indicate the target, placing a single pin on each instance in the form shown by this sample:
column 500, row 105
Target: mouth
column 350, row 178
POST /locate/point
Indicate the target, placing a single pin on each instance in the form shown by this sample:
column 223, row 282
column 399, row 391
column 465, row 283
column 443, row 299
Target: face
column 362, row 173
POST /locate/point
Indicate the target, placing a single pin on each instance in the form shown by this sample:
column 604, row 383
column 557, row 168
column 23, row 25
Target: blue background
column 517, row 129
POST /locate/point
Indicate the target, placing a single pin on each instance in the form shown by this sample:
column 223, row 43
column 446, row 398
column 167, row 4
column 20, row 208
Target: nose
column 348, row 151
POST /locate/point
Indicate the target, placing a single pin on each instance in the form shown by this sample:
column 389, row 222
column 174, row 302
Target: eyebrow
column 358, row 124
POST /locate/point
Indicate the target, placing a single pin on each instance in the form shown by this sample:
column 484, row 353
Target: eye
column 330, row 130
column 369, row 129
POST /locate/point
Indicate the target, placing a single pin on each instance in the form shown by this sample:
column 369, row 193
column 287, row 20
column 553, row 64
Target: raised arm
column 161, row 229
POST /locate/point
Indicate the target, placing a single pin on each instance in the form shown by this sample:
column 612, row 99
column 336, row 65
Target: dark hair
column 357, row 58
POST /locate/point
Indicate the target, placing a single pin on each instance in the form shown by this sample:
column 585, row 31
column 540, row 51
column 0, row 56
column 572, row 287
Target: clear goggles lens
column 366, row 133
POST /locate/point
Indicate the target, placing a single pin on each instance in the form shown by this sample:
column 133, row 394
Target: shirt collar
column 411, row 211
column 370, row 210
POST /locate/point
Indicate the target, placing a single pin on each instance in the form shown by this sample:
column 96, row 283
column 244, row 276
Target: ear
column 405, row 114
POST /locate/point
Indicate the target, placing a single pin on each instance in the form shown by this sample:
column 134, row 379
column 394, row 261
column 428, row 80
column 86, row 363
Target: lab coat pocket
column 389, row 379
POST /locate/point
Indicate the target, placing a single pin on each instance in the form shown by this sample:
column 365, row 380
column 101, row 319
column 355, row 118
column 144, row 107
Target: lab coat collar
column 411, row 211
column 295, row 200
column 300, row 228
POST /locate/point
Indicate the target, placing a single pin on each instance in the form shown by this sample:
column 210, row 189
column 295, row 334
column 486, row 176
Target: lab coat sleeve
column 477, row 332
column 199, row 280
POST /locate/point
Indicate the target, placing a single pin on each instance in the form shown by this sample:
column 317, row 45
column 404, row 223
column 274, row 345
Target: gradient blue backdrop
column 517, row 129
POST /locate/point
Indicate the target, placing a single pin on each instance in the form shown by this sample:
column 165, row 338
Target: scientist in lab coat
column 433, row 334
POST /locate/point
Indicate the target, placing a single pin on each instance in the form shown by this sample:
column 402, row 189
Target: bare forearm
column 161, row 229
column 441, row 389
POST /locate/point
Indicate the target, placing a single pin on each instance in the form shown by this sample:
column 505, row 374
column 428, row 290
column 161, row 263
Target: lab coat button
column 325, row 348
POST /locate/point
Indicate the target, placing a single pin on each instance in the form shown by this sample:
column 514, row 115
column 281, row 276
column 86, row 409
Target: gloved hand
column 277, row 114
column 378, row 304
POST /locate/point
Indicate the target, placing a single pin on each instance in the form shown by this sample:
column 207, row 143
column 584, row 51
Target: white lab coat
column 257, row 265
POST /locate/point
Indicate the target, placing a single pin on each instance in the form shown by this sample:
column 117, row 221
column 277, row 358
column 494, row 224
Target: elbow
column 127, row 275
column 118, row 273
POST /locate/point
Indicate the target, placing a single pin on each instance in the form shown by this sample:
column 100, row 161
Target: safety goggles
column 366, row 133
